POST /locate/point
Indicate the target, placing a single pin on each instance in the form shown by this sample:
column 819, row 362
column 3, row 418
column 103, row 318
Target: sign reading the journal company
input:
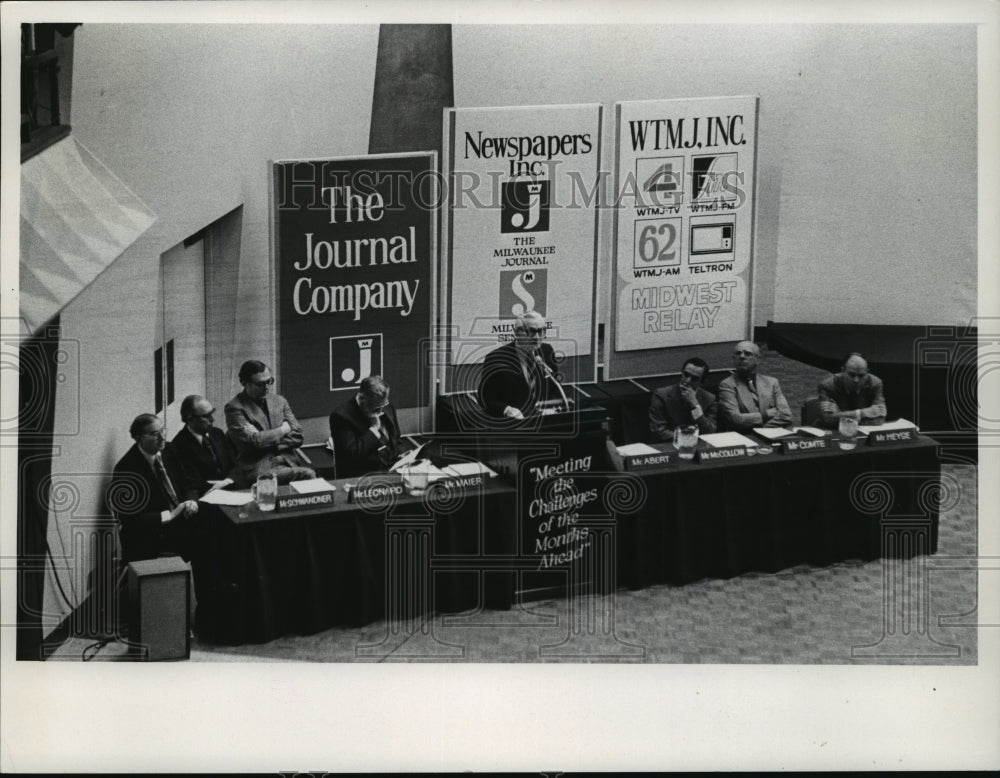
column 353, row 243
column 684, row 221
column 521, row 224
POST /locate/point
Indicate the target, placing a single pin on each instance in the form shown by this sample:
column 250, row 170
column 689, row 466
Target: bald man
column 748, row 399
column 853, row 392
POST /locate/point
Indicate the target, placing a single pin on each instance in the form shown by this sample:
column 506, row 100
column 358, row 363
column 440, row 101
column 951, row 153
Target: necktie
column 164, row 479
column 206, row 442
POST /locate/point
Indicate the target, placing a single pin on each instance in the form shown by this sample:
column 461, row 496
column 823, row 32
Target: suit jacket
column 257, row 440
column 504, row 381
column 835, row 395
column 357, row 450
column 200, row 465
column 667, row 409
column 740, row 408
column 137, row 499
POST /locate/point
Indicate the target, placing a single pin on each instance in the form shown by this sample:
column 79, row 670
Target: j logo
column 525, row 206
column 353, row 357
column 522, row 291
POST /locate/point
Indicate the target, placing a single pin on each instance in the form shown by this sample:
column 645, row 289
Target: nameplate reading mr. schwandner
column 290, row 501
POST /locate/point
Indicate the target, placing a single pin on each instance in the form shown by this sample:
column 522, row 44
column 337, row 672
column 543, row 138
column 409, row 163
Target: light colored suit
column 740, row 408
column 261, row 446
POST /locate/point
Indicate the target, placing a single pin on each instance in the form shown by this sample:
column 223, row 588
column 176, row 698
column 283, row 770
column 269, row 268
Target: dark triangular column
column 413, row 84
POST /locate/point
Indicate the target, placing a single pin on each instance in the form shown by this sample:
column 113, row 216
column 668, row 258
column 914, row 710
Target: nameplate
column 648, row 461
column 799, row 446
column 726, row 452
column 458, row 482
column 891, row 436
column 374, row 493
column 298, row 501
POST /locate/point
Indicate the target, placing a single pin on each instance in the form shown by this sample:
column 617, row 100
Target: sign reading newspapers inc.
column 522, row 223
column 684, row 222
column 353, row 249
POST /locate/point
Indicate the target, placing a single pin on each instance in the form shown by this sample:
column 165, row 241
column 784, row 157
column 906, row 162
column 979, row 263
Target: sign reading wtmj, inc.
column 521, row 223
column 353, row 250
column 684, row 221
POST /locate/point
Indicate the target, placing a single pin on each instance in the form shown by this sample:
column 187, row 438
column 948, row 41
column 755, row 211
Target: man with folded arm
column 853, row 392
column 748, row 399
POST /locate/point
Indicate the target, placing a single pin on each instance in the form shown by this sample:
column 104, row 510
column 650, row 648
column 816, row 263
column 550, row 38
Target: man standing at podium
column 519, row 374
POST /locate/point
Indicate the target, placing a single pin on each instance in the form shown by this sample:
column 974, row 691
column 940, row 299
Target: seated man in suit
column 265, row 432
column 747, row 399
column 519, row 374
column 852, row 392
column 152, row 496
column 365, row 431
column 204, row 450
column 683, row 404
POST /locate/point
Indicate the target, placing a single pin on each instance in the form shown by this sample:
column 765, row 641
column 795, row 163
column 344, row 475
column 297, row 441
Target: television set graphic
column 524, row 206
column 522, row 291
column 712, row 239
column 353, row 357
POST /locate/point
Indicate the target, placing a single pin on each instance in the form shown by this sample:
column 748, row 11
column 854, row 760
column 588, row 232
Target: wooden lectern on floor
column 159, row 596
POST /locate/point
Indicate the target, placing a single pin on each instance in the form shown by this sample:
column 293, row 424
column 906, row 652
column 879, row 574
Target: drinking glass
column 265, row 491
column 686, row 441
column 848, row 430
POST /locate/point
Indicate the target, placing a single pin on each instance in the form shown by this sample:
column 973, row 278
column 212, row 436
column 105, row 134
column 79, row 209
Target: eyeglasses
column 207, row 415
column 539, row 331
column 263, row 384
column 744, row 354
column 157, row 434
column 691, row 377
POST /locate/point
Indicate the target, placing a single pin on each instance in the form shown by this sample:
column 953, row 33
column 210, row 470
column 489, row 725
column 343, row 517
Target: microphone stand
column 548, row 372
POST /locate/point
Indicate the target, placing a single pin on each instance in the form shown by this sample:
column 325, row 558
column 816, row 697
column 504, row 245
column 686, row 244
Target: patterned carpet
column 923, row 611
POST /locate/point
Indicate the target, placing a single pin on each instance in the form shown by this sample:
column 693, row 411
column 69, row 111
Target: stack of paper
column 222, row 497
column 637, row 449
column 312, row 485
column 816, row 431
column 460, row 469
column 772, row 433
column 423, row 466
column 723, row 439
column 898, row 424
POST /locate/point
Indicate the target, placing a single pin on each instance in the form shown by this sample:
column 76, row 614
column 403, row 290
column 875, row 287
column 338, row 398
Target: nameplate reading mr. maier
column 726, row 452
column 459, row 482
column 799, row 446
column 291, row 501
column 890, row 436
column 647, row 461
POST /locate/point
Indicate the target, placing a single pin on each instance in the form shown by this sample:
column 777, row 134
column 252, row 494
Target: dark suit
column 506, row 380
column 836, row 394
column 356, row 448
column 137, row 500
column 667, row 410
column 261, row 446
column 200, row 464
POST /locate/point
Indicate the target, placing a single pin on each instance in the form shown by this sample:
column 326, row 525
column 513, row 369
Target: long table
column 263, row 575
column 260, row 575
column 768, row 513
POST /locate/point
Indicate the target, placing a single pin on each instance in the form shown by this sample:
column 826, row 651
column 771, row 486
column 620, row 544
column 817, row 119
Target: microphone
column 548, row 372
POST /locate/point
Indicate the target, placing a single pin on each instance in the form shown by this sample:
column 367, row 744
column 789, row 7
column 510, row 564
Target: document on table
column 423, row 466
column 722, row 439
column 222, row 497
column 637, row 449
column 460, row 469
column 772, row 433
column 406, row 458
column 815, row 431
column 312, row 486
column 898, row 424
